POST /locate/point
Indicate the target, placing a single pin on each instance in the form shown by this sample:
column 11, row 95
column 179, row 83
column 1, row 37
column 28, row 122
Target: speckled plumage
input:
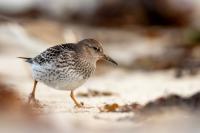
column 66, row 66
column 62, row 67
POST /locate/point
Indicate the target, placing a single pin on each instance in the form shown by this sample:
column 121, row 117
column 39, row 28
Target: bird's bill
column 107, row 58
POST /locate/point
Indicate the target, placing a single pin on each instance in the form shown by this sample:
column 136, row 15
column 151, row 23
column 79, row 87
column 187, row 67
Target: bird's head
column 93, row 50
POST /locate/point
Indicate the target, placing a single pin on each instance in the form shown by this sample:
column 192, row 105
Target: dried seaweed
column 95, row 93
column 117, row 108
column 110, row 108
column 162, row 103
column 191, row 103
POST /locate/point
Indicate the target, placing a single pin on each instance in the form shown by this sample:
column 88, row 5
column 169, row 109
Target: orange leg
column 32, row 95
column 79, row 105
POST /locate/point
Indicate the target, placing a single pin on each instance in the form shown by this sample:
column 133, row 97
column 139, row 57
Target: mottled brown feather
column 53, row 53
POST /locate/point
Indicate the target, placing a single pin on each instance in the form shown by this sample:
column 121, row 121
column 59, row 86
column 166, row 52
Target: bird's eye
column 96, row 49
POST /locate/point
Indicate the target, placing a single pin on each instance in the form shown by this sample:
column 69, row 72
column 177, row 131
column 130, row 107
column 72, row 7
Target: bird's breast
column 64, row 78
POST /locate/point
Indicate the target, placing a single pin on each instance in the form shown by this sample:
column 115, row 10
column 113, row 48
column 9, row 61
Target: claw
column 80, row 105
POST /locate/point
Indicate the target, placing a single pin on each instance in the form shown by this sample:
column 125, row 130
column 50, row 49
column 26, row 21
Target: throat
column 85, row 68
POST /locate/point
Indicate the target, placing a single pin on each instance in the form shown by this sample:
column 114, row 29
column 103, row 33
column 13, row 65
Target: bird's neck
column 87, row 58
column 86, row 67
column 91, row 62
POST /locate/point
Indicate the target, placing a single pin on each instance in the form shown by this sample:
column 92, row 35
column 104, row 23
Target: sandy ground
column 129, row 87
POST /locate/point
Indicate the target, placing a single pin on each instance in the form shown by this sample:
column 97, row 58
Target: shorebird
column 66, row 66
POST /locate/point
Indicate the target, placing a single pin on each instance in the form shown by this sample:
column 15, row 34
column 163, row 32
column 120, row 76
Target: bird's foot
column 80, row 105
column 34, row 102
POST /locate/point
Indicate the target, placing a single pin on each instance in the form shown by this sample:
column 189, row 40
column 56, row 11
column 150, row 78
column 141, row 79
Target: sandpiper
column 66, row 66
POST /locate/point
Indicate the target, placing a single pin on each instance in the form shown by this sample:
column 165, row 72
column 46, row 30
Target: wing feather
column 52, row 53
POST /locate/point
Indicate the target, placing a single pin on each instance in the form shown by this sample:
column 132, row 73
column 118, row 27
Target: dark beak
column 107, row 58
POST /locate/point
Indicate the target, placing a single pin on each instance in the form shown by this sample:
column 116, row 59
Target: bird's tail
column 29, row 60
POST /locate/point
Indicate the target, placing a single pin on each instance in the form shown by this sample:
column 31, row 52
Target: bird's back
column 52, row 53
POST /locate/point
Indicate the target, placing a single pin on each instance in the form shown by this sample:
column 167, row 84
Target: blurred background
column 156, row 44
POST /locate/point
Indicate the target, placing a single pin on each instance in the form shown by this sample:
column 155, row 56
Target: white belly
column 65, row 85
column 62, row 81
